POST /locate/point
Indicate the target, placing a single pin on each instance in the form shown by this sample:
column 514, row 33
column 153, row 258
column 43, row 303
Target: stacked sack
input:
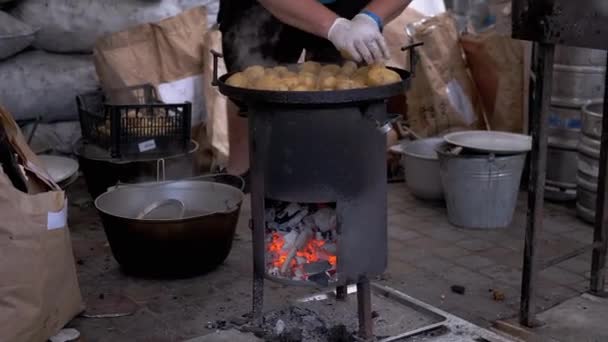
column 46, row 46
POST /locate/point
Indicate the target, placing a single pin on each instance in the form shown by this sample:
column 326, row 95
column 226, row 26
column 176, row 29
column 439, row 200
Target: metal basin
column 421, row 166
column 193, row 244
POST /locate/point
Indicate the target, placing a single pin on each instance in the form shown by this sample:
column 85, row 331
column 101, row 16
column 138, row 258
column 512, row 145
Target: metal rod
column 257, row 164
column 364, row 305
column 341, row 292
column 600, row 233
column 536, row 192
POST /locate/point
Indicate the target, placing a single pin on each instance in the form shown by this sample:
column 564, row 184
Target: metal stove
column 318, row 162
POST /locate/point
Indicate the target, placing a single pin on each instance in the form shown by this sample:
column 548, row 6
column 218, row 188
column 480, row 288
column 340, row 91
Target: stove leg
column 536, row 193
column 364, row 304
column 341, row 292
column 258, row 299
column 600, row 233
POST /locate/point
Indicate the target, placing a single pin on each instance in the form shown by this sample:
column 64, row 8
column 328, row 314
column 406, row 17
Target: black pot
column 101, row 171
column 181, row 247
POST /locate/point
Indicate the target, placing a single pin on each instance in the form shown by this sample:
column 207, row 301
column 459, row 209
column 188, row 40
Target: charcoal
column 238, row 320
column 290, row 239
column 279, row 328
column 339, row 333
column 325, row 219
column 459, row 289
column 317, row 267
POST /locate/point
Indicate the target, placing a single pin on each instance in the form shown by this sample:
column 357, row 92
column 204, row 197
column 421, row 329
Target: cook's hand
column 360, row 38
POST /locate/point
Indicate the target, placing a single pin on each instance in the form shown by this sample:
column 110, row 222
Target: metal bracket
column 413, row 55
column 215, row 55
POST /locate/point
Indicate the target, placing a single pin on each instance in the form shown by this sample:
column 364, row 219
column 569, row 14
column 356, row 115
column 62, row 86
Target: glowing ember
column 301, row 242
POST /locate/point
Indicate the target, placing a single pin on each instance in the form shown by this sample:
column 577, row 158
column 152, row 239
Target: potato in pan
column 313, row 76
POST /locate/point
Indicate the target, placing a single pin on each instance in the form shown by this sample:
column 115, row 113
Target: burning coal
column 301, row 241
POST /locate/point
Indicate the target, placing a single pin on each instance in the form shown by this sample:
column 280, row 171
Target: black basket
column 132, row 121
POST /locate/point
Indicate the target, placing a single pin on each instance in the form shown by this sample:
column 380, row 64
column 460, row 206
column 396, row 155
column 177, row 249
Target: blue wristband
column 374, row 16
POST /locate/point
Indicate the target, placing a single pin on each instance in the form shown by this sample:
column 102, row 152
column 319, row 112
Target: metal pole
column 257, row 159
column 364, row 305
column 600, row 234
column 536, row 192
column 341, row 292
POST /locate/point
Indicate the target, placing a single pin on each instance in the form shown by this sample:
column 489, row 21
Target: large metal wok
column 192, row 241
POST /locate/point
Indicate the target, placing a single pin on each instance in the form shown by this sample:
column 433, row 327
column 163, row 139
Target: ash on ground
column 296, row 324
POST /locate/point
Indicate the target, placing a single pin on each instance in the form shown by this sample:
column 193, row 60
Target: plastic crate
column 132, row 121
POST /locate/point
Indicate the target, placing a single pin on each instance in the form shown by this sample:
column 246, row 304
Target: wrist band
column 374, row 16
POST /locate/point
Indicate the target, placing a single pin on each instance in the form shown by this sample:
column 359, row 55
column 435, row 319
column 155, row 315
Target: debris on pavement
column 459, row 289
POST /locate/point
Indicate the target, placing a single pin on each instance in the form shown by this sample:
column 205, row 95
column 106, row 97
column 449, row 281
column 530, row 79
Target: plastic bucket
column 480, row 189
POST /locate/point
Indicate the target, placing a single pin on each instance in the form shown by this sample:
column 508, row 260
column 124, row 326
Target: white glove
column 360, row 38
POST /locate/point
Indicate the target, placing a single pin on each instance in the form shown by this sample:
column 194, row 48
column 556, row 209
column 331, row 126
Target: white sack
column 37, row 83
column 58, row 137
column 15, row 35
column 75, row 25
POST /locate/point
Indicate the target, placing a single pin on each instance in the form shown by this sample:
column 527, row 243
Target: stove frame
column 582, row 23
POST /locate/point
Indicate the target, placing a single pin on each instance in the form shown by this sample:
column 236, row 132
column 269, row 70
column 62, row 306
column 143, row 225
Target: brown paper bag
column 169, row 55
column 443, row 97
column 217, row 104
column 394, row 33
column 497, row 65
column 39, row 290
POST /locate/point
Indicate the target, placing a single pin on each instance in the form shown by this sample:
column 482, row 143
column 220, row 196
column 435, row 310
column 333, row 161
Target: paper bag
column 217, row 104
column 443, row 96
column 39, row 290
column 394, row 33
column 497, row 65
column 167, row 54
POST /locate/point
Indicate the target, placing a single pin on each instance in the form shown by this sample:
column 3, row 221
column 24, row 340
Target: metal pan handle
column 413, row 55
column 216, row 55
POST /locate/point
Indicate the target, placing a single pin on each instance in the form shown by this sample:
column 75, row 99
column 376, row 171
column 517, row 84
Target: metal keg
column 579, row 56
column 588, row 160
column 578, row 78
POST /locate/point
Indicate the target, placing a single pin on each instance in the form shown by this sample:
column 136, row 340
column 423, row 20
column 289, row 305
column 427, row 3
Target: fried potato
column 346, row 55
column 307, row 79
column 362, row 71
column 281, row 70
column 327, row 83
column 267, row 82
column 349, row 68
column 254, row 72
column 312, row 67
column 271, row 72
column 378, row 76
column 345, row 84
column 238, row 80
column 330, row 69
column 301, row 88
column 291, row 81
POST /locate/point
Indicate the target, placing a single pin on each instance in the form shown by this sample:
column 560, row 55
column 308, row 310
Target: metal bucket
column 480, row 189
column 588, row 161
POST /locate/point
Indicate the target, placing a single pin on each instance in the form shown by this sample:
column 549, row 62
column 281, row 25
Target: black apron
column 251, row 35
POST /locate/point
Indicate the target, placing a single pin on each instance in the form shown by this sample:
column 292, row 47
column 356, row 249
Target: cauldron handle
column 216, row 55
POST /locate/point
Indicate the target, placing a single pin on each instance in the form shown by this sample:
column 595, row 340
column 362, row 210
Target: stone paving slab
column 426, row 257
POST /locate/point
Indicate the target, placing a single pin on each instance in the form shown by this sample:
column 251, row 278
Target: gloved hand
column 360, row 38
